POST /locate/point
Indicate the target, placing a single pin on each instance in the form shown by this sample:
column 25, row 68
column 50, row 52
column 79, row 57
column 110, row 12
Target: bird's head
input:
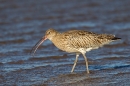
column 50, row 33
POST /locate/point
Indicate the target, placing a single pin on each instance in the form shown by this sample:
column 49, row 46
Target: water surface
column 24, row 22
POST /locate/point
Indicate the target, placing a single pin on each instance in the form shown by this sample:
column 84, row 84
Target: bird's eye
column 49, row 32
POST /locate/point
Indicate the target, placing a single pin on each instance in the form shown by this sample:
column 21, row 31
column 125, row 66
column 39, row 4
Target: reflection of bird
column 76, row 41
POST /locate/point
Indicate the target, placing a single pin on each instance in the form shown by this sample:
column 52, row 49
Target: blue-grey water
column 24, row 22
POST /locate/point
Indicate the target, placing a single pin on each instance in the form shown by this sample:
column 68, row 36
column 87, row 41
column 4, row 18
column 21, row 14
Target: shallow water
column 23, row 23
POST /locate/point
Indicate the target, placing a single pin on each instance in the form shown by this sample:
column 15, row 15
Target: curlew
column 76, row 41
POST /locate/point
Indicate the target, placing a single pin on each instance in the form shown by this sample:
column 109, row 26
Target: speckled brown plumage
column 77, row 41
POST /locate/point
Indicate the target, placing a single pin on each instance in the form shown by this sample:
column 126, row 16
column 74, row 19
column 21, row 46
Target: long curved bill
column 34, row 49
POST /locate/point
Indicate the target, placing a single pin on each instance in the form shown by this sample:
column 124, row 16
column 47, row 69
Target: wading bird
column 76, row 41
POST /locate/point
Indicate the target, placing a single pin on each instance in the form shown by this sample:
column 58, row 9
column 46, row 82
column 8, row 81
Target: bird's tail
column 108, row 37
column 116, row 38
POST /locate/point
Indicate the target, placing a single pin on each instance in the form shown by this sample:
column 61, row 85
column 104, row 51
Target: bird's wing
column 81, row 39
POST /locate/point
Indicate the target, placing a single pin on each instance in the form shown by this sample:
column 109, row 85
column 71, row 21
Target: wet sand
column 24, row 22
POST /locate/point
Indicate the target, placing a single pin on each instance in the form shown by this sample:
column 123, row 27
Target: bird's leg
column 86, row 62
column 77, row 55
